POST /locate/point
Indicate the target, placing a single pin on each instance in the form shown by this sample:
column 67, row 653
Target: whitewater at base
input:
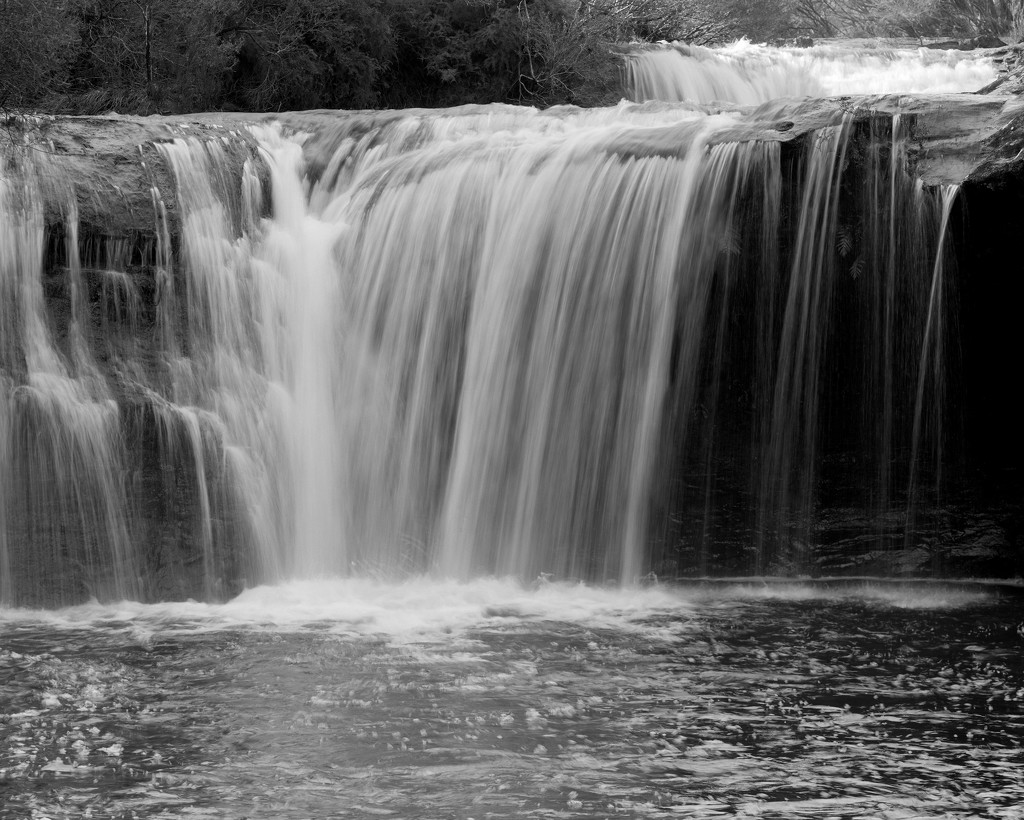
column 428, row 610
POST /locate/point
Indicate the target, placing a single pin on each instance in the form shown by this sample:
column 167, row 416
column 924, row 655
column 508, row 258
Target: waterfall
column 584, row 344
column 62, row 452
column 748, row 74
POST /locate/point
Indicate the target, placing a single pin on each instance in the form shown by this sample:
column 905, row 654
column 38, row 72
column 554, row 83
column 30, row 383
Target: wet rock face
column 110, row 218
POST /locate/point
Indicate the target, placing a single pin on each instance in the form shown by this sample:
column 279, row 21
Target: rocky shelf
column 109, row 165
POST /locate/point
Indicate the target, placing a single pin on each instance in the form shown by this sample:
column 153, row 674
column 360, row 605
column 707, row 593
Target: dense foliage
column 914, row 18
column 187, row 55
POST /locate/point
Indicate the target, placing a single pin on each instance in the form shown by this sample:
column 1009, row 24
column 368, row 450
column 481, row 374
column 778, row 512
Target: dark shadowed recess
column 986, row 237
column 873, row 499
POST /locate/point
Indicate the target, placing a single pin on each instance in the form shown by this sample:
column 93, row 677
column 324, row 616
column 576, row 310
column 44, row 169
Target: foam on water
column 914, row 594
column 430, row 610
column 420, row 609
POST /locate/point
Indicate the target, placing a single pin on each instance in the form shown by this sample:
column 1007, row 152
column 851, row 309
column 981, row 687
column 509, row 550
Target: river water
column 437, row 700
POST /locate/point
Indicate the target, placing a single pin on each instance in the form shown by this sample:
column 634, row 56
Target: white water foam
column 912, row 594
column 417, row 610
column 434, row 611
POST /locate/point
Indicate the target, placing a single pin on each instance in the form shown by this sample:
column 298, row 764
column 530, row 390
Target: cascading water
column 579, row 344
column 445, row 377
column 495, row 342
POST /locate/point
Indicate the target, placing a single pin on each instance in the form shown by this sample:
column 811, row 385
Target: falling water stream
column 474, row 345
column 422, row 418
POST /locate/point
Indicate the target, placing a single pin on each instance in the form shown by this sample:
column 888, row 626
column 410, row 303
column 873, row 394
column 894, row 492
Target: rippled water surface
column 484, row 700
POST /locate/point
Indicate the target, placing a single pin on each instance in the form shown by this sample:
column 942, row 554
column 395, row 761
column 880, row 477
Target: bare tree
column 37, row 41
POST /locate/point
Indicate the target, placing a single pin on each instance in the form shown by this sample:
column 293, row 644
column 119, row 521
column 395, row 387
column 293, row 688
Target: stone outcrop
column 969, row 43
column 110, row 165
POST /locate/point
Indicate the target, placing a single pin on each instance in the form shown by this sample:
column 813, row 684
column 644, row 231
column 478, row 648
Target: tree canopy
column 145, row 56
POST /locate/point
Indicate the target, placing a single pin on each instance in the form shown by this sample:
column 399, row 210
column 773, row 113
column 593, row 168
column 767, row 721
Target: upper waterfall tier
column 746, row 74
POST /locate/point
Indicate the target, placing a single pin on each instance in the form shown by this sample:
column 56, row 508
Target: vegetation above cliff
column 144, row 56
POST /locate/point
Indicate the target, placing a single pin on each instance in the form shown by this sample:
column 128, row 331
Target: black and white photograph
column 511, row 409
